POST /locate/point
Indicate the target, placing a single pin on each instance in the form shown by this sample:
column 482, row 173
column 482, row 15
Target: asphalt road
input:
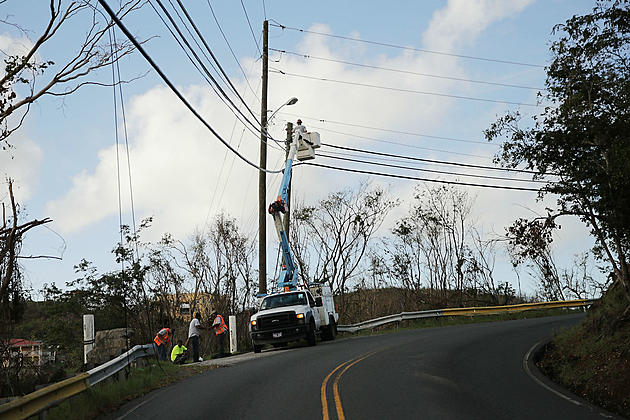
column 461, row 372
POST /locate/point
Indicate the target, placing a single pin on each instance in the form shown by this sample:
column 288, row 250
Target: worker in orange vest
column 220, row 329
column 161, row 340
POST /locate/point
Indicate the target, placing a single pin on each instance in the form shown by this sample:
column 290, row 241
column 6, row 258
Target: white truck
column 292, row 315
column 296, row 311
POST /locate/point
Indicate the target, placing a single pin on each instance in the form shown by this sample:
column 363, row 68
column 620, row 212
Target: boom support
column 302, row 146
column 289, row 274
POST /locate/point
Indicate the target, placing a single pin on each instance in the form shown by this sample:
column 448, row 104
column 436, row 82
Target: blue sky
column 63, row 156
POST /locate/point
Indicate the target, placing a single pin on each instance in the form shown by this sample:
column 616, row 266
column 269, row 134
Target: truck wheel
column 257, row 348
column 311, row 337
column 330, row 331
column 333, row 328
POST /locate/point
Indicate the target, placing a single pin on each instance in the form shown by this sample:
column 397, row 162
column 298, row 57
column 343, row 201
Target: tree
column 580, row 142
column 432, row 242
column 329, row 240
column 28, row 75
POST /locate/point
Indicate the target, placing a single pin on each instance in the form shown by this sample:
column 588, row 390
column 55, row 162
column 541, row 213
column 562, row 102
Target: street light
column 262, row 194
column 291, row 101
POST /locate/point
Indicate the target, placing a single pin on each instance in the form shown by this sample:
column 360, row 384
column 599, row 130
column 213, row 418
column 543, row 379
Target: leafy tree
column 580, row 142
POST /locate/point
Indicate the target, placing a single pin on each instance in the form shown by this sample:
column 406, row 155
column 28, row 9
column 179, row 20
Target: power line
column 399, row 144
column 250, row 28
column 215, row 59
column 409, row 133
column 459, row 79
column 179, row 95
column 441, row 162
column 255, row 125
column 231, row 50
column 420, row 92
column 467, row 184
column 388, row 165
column 385, row 44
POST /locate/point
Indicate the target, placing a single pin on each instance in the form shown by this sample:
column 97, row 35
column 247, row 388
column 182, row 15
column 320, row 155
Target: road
column 460, row 372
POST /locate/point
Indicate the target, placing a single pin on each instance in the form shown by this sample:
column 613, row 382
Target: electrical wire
column 467, row 184
column 231, row 50
column 177, row 93
column 386, row 44
column 459, row 79
column 419, row 92
column 250, row 28
column 388, row 165
column 255, row 125
column 441, row 162
column 387, row 130
column 214, row 58
column 399, row 143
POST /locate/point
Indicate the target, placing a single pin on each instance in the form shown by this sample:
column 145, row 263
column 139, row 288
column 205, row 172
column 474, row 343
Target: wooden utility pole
column 288, row 146
column 262, row 179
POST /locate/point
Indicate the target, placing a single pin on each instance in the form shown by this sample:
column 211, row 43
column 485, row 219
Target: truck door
column 317, row 314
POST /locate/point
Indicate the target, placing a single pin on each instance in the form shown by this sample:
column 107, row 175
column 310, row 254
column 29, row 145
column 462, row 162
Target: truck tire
column 311, row 337
column 257, row 348
column 330, row 331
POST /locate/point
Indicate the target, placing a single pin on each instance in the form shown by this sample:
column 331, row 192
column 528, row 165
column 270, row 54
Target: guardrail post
column 233, row 338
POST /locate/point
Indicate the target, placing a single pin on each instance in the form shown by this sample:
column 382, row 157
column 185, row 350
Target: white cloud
column 12, row 165
column 177, row 164
column 461, row 21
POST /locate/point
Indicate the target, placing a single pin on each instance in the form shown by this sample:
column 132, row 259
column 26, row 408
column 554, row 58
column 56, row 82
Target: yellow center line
column 340, row 415
column 323, row 391
column 325, row 415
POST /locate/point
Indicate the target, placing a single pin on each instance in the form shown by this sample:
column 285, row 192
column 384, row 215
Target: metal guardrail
column 48, row 397
column 483, row 310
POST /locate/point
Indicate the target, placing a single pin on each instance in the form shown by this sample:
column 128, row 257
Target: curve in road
column 462, row 372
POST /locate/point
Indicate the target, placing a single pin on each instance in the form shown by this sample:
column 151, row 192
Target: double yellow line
column 339, row 408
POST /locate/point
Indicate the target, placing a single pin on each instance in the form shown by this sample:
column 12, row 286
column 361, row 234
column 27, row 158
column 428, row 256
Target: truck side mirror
column 318, row 301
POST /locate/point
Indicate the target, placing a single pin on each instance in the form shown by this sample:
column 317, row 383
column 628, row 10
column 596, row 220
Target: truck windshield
column 289, row 299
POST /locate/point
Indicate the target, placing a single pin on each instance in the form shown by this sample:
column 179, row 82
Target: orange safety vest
column 222, row 327
column 162, row 336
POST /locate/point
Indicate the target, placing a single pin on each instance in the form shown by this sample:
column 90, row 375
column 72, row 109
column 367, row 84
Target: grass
column 592, row 358
column 108, row 396
column 446, row 321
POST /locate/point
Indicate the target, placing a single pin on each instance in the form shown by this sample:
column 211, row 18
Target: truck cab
column 292, row 315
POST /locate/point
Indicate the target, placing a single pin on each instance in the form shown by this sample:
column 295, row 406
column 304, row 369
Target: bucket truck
column 296, row 310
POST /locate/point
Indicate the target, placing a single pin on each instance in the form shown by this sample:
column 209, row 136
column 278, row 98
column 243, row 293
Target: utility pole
column 288, row 146
column 262, row 179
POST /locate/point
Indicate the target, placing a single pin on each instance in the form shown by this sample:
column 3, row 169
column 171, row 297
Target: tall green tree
column 580, row 143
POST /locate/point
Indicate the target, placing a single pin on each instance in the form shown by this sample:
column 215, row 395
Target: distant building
column 30, row 350
column 185, row 304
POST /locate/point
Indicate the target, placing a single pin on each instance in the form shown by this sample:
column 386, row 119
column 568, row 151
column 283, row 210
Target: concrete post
column 88, row 335
column 233, row 337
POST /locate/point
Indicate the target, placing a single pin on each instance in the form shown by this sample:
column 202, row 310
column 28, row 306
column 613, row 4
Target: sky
column 64, row 157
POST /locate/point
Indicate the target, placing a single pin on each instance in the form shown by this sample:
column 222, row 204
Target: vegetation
column 580, row 143
column 591, row 359
column 105, row 397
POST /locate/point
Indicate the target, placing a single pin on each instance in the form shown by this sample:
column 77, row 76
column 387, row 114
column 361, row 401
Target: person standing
column 220, row 329
column 299, row 129
column 161, row 340
column 194, row 331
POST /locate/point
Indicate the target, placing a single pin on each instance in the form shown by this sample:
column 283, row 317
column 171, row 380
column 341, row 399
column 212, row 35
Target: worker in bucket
column 299, row 129
column 220, row 329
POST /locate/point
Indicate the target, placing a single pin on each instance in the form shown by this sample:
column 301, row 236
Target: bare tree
column 432, row 242
column 333, row 237
column 28, row 75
